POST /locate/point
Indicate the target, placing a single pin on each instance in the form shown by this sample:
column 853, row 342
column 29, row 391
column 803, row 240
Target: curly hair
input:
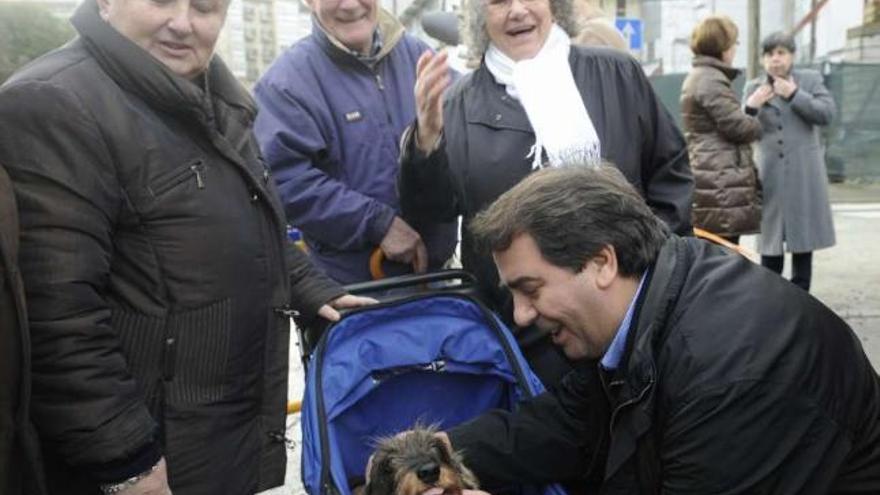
column 476, row 37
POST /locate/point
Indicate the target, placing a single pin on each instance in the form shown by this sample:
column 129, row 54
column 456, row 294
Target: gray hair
column 572, row 213
column 476, row 37
column 779, row 39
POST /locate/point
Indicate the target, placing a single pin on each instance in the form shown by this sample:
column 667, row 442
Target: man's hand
column 403, row 244
column 784, row 87
column 760, row 96
column 432, row 78
column 155, row 483
column 328, row 311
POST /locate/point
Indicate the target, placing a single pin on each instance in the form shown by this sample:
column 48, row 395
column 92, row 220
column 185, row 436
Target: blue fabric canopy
column 433, row 360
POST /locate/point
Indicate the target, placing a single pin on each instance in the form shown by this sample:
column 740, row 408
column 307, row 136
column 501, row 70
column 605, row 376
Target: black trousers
column 801, row 267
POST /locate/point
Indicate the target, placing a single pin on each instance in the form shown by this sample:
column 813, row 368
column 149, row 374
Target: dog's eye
column 441, row 451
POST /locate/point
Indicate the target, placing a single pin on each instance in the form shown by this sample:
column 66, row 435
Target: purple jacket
column 329, row 127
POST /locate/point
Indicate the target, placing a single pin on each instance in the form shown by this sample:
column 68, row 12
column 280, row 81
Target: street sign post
column 632, row 30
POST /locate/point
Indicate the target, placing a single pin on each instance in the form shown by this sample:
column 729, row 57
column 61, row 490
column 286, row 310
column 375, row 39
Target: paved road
column 845, row 277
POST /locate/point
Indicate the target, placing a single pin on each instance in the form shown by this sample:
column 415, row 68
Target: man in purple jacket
column 332, row 109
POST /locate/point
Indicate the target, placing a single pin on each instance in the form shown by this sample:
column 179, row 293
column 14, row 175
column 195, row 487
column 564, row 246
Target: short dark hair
column 572, row 213
column 776, row 40
column 713, row 36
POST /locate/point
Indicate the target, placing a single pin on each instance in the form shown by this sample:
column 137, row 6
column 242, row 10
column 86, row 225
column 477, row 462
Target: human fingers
column 420, row 260
column 328, row 313
column 434, row 70
column 424, row 58
column 350, row 301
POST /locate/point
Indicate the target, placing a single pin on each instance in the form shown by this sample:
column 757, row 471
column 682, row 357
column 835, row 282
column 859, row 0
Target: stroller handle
column 465, row 279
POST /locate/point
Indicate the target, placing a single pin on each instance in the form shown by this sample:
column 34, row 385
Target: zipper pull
column 379, row 81
column 286, row 311
column 197, row 169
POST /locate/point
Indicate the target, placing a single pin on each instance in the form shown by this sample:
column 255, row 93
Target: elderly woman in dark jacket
column 719, row 133
column 153, row 251
column 535, row 100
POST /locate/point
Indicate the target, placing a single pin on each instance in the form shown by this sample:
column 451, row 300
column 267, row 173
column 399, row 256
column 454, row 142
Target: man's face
column 351, row 22
column 180, row 34
column 778, row 62
column 519, row 28
column 571, row 307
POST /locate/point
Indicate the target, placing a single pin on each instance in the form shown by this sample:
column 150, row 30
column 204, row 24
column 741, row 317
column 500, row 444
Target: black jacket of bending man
column 20, row 470
column 734, row 381
column 154, row 255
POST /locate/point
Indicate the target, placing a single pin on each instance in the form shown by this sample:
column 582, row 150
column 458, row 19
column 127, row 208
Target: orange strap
column 705, row 234
column 376, row 260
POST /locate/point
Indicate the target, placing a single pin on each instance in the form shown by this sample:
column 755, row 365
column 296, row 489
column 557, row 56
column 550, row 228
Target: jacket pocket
column 198, row 342
column 194, row 169
column 140, row 337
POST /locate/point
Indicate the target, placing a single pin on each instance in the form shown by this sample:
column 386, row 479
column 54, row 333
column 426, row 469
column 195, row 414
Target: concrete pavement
column 846, row 277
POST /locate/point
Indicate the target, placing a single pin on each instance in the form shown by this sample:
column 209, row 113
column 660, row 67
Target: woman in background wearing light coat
column 797, row 212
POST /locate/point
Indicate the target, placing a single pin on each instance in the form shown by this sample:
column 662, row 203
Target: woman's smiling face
column 518, row 28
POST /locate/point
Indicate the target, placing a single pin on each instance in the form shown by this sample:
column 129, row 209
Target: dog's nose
column 429, row 473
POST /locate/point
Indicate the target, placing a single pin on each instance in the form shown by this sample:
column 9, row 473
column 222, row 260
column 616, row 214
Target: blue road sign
column 632, row 31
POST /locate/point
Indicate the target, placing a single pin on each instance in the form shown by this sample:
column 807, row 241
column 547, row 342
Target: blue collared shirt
column 612, row 357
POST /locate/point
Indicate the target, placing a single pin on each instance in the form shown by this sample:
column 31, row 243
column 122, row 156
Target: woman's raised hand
column 432, row 79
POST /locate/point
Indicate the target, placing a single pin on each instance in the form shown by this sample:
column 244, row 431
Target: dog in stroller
column 414, row 462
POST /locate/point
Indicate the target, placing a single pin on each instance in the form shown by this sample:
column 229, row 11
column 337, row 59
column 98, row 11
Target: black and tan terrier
column 415, row 462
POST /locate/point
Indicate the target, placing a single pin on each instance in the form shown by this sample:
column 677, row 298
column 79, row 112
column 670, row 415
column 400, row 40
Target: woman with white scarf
column 535, row 100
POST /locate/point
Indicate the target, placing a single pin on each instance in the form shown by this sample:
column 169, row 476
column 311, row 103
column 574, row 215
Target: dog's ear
column 454, row 459
column 381, row 480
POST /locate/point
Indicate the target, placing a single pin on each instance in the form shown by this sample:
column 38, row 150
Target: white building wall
column 672, row 21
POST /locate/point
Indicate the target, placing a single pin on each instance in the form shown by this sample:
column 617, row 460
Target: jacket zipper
column 626, row 404
column 195, row 168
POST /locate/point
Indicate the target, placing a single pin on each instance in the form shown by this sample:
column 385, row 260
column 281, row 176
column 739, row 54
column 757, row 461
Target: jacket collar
column 633, row 400
column 390, row 29
column 706, row 61
column 138, row 72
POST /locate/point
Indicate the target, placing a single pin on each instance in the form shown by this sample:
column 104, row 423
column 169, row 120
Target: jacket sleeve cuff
column 310, row 288
column 410, row 151
column 138, row 462
column 380, row 223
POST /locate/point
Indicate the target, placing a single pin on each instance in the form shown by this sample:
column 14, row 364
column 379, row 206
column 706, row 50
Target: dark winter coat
column 718, row 392
column 330, row 125
column 487, row 137
column 20, row 469
column 727, row 196
column 791, row 160
column 153, row 253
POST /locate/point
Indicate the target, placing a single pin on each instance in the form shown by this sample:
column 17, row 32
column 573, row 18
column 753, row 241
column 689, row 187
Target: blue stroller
column 436, row 356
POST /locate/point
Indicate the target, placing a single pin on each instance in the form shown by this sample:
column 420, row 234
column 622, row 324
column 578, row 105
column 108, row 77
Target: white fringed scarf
column 545, row 87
